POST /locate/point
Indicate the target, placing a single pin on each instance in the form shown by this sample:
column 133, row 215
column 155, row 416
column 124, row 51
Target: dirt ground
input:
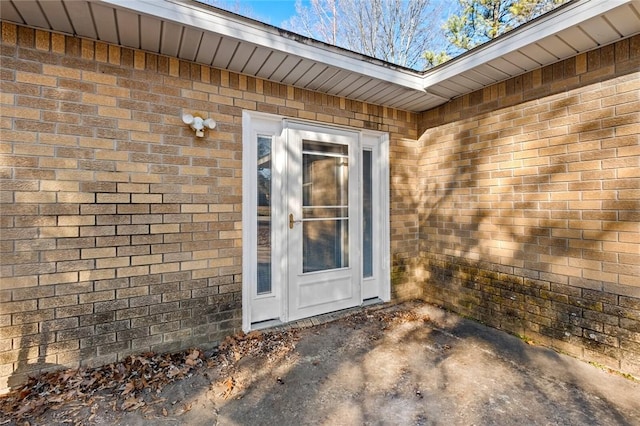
column 407, row 364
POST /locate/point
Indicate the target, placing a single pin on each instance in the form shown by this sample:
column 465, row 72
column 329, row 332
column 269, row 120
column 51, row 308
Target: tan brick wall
column 120, row 230
column 530, row 210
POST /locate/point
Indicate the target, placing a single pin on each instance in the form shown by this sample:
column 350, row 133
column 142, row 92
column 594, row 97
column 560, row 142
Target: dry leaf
column 128, row 388
column 230, row 384
column 129, row 402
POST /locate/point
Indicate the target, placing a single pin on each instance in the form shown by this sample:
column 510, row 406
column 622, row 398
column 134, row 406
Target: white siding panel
column 462, row 84
column 524, row 61
column 57, row 16
column 600, row 30
column 242, row 56
column 491, row 73
column 285, row 68
column 31, row 13
column 556, row 46
column 105, row 23
column 413, row 101
column 225, row 52
column 208, row 48
column 311, row 74
column 625, row 19
column 478, row 79
column 82, row 18
column 302, row 70
column 384, row 95
column 190, row 43
column 270, row 65
column 257, row 60
column 9, row 12
column 538, row 54
column 170, row 38
column 322, row 78
column 363, row 92
column 428, row 103
column 577, row 39
column 129, row 28
column 442, row 90
column 393, row 97
column 339, row 82
column 150, row 31
column 507, row 67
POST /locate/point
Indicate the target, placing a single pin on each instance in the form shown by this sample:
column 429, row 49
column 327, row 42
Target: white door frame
column 275, row 303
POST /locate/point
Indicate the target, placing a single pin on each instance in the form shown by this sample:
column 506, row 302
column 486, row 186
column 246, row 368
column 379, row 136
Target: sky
column 273, row 12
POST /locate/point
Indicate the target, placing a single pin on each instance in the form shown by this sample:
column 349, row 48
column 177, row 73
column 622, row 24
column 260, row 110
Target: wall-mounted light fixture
column 198, row 124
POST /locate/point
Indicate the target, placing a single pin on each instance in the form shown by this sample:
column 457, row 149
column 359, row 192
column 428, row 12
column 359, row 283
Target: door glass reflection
column 325, row 206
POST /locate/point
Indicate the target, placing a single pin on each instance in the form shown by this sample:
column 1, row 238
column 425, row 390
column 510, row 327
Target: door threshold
column 372, row 301
column 315, row 320
column 266, row 324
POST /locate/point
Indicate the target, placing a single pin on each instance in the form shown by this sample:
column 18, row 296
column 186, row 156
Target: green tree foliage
column 479, row 21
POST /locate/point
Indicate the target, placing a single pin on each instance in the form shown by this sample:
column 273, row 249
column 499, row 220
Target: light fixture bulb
column 187, row 118
column 210, row 123
column 197, row 124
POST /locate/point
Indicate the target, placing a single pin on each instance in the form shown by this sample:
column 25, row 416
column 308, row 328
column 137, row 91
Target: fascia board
column 200, row 18
column 571, row 15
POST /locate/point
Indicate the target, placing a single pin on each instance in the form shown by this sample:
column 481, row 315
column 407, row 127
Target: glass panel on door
column 367, row 214
column 325, row 206
column 264, row 215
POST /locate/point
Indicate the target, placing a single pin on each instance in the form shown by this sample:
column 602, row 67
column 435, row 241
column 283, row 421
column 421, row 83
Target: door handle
column 291, row 221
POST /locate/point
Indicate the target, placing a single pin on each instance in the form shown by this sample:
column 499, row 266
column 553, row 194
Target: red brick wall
column 530, row 211
column 120, row 230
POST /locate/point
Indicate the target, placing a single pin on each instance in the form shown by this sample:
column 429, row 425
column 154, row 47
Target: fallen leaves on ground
column 386, row 316
column 269, row 345
column 125, row 384
column 130, row 380
column 126, row 379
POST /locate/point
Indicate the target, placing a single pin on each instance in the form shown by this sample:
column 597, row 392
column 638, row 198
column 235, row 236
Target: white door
column 323, row 234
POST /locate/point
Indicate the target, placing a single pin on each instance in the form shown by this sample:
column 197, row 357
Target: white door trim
column 260, row 124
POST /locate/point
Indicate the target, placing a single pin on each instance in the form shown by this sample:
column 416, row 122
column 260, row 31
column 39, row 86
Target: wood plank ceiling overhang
column 192, row 31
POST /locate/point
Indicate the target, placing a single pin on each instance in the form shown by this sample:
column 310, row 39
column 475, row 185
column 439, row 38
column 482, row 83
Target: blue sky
column 276, row 11
column 272, row 12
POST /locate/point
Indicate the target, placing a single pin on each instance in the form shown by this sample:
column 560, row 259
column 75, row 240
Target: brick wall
column 530, row 211
column 120, row 230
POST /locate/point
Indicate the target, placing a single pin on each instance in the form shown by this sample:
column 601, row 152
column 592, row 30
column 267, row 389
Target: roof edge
column 551, row 23
column 206, row 18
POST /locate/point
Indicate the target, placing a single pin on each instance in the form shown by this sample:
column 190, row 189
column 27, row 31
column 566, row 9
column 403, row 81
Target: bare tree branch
column 396, row 31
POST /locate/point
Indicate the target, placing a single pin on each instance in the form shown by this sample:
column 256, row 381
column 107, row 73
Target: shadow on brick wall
column 498, row 247
column 26, row 366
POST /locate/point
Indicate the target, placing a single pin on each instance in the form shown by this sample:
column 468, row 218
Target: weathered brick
column 98, row 318
column 58, row 301
column 110, row 305
column 76, row 333
column 133, row 312
column 97, row 340
column 113, row 326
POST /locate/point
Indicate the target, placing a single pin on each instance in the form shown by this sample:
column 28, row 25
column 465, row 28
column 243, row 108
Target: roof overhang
column 191, row 31
column 576, row 27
